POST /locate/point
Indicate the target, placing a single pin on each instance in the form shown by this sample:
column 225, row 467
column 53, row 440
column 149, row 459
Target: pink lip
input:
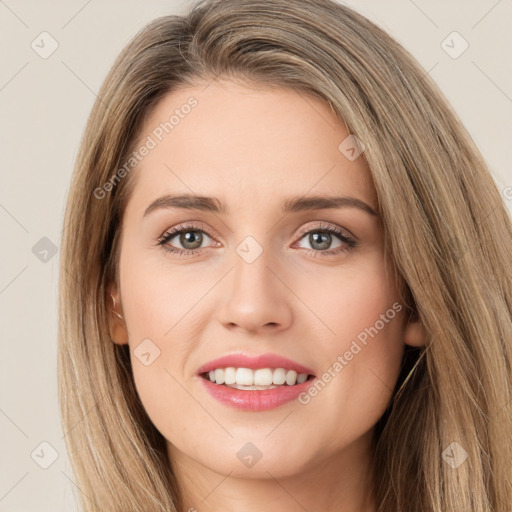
column 257, row 400
column 254, row 362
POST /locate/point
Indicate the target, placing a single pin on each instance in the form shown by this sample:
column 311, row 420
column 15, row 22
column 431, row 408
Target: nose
column 255, row 297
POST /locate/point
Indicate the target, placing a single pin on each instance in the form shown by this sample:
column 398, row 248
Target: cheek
column 353, row 301
column 154, row 298
column 161, row 309
column 361, row 358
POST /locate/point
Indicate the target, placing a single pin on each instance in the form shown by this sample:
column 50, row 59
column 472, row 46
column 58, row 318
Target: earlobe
column 415, row 334
column 118, row 331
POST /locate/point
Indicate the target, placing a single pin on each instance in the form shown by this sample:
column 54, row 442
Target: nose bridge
column 254, row 296
column 251, row 262
column 252, row 277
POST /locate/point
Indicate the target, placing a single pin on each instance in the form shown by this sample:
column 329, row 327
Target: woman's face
column 262, row 275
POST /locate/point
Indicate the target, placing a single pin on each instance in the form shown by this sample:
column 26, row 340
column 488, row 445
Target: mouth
column 259, row 379
column 255, row 382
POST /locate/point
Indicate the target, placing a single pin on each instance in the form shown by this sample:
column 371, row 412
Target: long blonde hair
column 445, row 225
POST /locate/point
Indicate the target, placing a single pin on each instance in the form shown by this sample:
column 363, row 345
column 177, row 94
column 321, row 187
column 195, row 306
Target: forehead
column 252, row 141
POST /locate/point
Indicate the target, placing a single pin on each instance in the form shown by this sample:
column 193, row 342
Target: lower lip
column 256, row 400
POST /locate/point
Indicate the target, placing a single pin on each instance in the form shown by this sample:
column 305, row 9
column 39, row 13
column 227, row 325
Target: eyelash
column 170, row 234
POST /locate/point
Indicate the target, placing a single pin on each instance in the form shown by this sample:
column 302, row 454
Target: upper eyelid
column 191, row 226
column 328, row 226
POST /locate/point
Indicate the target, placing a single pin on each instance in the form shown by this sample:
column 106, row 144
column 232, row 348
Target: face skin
column 253, row 148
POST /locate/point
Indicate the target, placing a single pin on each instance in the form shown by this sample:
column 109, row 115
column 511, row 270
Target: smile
column 259, row 379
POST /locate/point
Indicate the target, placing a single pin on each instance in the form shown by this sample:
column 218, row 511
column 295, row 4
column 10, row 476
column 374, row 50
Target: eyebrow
column 291, row 205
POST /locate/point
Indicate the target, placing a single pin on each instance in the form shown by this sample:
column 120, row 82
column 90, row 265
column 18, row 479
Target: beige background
column 44, row 106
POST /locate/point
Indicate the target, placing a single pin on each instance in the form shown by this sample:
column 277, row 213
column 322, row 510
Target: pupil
column 188, row 236
column 314, row 239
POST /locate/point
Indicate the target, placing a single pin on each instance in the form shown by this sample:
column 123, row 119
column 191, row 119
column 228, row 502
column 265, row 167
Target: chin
column 256, row 459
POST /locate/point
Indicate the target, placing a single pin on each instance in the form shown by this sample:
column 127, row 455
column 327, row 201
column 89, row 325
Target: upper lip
column 268, row 360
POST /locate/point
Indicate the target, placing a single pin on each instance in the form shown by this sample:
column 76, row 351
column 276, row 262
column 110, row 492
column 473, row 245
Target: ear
column 414, row 334
column 118, row 331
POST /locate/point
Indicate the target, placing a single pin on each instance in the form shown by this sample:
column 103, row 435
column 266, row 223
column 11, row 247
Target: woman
column 368, row 370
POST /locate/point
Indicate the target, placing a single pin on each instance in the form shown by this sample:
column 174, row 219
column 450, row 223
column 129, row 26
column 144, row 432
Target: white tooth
column 244, row 377
column 279, row 376
column 230, row 375
column 219, row 376
column 302, row 377
column 263, row 377
column 291, row 377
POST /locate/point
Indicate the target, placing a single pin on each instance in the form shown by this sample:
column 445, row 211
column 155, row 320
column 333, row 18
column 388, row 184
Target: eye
column 320, row 238
column 190, row 237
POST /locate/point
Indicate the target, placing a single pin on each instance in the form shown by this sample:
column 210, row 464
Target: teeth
column 291, row 377
column 279, row 376
column 219, row 376
column 302, row 377
column 230, row 376
column 244, row 377
column 262, row 378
